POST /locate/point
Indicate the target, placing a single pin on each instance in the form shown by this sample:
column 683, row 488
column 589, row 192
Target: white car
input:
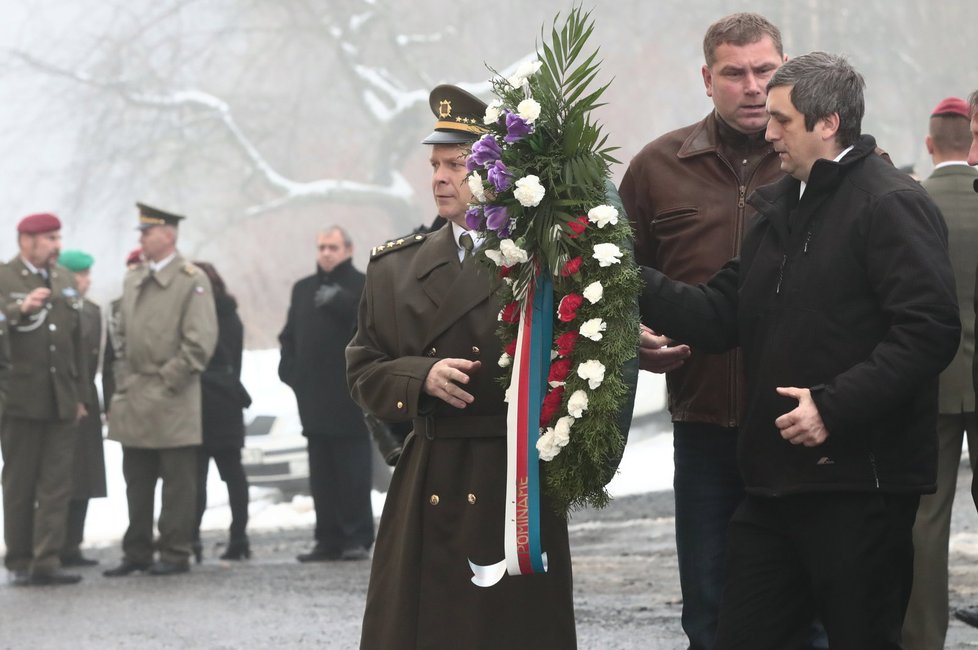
column 275, row 453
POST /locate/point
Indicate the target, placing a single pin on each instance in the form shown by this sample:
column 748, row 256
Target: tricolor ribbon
column 531, row 367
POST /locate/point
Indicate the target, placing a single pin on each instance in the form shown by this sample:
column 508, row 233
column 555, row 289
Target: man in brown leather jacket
column 685, row 196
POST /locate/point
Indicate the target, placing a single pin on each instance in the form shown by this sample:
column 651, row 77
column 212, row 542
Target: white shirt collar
column 31, row 267
column 948, row 163
column 156, row 267
column 842, row 154
column 457, row 231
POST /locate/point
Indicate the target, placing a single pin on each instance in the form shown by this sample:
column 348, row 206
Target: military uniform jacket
column 89, row 470
column 48, row 375
column 4, row 361
column 446, row 501
column 164, row 337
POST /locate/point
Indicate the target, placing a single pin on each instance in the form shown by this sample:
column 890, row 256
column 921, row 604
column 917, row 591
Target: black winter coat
column 848, row 292
column 313, row 361
column 222, row 395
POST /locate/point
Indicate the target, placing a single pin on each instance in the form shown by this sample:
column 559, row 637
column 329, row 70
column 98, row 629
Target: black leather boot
column 237, row 549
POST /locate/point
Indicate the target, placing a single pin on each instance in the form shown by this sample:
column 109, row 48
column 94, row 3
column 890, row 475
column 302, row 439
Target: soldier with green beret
column 42, row 311
column 89, row 466
column 164, row 337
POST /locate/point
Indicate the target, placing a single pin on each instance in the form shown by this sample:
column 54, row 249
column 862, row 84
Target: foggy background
column 265, row 120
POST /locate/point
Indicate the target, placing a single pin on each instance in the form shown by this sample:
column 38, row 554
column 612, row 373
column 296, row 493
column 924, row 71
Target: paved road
column 627, row 593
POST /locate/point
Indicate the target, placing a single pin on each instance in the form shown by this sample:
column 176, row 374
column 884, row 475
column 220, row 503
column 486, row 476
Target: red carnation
column 567, row 309
column 577, row 226
column 511, row 348
column 566, row 343
column 550, row 406
column 511, row 313
column 559, row 369
column 505, row 271
column 572, row 266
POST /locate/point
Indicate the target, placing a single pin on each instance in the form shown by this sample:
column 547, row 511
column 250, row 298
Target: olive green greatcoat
column 89, row 469
column 164, row 337
column 446, row 501
column 48, row 377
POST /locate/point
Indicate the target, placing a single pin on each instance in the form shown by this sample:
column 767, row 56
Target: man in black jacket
column 844, row 305
column 321, row 321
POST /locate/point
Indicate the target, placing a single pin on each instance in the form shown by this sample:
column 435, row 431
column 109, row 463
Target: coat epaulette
column 396, row 244
column 190, row 269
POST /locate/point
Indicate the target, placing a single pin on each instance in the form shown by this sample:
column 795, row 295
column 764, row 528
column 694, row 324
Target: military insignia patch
column 398, row 244
column 69, row 292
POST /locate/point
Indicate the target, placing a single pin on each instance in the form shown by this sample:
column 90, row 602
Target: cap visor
column 450, row 137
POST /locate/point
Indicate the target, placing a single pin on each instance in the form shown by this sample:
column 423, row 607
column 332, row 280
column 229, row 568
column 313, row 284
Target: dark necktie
column 465, row 240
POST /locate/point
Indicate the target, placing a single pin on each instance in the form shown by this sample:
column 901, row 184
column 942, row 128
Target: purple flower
column 497, row 217
column 500, row 177
column 473, row 218
column 516, row 128
column 484, row 152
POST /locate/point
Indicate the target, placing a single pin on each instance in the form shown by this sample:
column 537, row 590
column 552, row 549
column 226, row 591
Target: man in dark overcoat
column 89, row 465
column 47, row 394
column 321, row 320
column 426, row 349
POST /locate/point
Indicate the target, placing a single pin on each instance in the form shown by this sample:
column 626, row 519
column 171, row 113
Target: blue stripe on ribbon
column 541, row 339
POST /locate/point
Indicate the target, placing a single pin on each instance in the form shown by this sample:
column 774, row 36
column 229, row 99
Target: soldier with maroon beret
column 42, row 306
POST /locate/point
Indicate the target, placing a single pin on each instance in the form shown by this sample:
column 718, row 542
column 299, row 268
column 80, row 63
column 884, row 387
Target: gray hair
column 823, row 84
column 347, row 241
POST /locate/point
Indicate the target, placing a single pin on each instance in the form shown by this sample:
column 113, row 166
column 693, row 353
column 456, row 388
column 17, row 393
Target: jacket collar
column 164, row 276
column 455, row 291
column 339, row 271
column 955, row 170
column 776, row 201
column 705, row 137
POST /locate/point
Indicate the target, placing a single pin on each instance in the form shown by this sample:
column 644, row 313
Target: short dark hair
column 739, row 29
column 823, row 84
column 347, row 240
column 950, row 134
column 973, row 100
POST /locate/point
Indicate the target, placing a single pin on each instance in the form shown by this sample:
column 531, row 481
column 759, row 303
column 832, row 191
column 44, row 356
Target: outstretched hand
column 802, row 425
column 657, row 353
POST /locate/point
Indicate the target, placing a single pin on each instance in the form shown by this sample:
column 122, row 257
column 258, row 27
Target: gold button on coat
column 400, row 405
column 472, row 499
column 432, row 352
column 475, row 350
column 434, row 499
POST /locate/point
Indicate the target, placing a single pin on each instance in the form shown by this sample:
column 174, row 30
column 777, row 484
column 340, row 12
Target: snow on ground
column 646, row 466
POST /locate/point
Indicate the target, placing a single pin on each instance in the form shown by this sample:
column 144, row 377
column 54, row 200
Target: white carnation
column 607, row 254
column 562, row 430
column 547, row 445
column 525, row 70
column 495, row 256
column 593, row 292
column 577, row 403
column 493, row 111
column 511, row 253
column 603, row 215
column 592, row 329
column 529, row 110
column 475, row 186
column 528, row 191
column 592, row 371
column 505, row 360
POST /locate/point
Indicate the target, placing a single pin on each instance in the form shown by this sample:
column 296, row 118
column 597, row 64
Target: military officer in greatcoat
column 426, row 350
column 164, row 336
column 89, row 466
column 42, row 306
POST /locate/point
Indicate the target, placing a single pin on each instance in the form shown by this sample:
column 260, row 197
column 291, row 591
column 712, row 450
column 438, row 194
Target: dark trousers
column 229, row 466
column 846, row 558
column 75, row 532
column 37, row 481
column 707, row 489
column 340, row 479
column 177, row 467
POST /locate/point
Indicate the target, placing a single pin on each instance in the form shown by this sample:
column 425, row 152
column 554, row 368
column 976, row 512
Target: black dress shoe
column 165, row 568
column 968, row 615
column 19, row 578
column 54, row 578
column 126, row 568
column 355, row 553
column 77, row 560
column 319, row 554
